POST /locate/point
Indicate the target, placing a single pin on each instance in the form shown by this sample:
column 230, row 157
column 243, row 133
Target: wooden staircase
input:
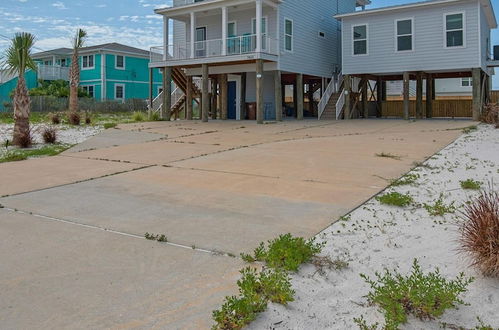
column 330, row 110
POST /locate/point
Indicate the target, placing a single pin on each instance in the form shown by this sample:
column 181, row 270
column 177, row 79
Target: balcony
column 53, row 72
column 233, row 50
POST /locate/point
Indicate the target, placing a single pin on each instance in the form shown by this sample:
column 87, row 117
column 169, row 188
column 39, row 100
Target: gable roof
column 486, row 4
column 113, row 47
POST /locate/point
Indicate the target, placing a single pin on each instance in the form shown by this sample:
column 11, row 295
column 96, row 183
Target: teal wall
column 6, row 88
column 91, row 74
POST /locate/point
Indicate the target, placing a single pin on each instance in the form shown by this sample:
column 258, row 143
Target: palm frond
column 17, row 58
column 79, row 39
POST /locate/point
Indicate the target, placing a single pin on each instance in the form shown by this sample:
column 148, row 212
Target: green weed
column 426, row 296
column 405, row 180
column 471, row 184
column 23, row 154
column 110, row 125
column 439, row 208
column 138, row 116
column 395, row 199
column 159, row 238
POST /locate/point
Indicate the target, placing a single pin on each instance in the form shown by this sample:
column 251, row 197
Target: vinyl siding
column 429, row 51
column 485, row 39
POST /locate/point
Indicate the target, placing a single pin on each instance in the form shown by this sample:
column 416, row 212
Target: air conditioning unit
column 496, row 53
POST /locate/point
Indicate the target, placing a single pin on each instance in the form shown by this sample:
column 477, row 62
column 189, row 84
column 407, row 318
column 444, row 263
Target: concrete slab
column 215, row 211
column 43, row 173
column 114, row 137
column 61, row 276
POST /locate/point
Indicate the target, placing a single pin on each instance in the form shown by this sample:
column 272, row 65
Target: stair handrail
column 340, row 104
column 330, row 90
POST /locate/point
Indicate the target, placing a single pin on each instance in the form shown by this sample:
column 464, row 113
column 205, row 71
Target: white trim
column 469, row 79
column 88, row 57
column 292, row 35
column 116, row 63
column 367, row 39
column 445, row 29
column 413, row 33
column 119, row 98
column 103, row 76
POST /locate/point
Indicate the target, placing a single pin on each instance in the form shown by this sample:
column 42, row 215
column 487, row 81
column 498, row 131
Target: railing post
column 258, row 26
column 193, row 34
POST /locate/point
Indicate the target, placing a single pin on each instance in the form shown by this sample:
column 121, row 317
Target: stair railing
column 330, row 90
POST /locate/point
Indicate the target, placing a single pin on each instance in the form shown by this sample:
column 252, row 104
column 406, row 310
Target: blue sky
column 131, row 22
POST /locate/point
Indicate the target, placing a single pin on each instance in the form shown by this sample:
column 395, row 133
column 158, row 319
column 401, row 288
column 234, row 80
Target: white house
column 248, row 51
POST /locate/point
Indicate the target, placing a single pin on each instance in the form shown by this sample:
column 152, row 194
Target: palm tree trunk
column 74, row 81
column 22, row 104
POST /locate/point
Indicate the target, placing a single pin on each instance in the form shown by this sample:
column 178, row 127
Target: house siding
column 429, row 51
column 312, row 54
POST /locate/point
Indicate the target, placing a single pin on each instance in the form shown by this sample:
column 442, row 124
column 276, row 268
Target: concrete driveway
column 71, row 227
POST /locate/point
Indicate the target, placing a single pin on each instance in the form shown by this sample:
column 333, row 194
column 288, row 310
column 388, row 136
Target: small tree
column 74, row 73
column 17, row 61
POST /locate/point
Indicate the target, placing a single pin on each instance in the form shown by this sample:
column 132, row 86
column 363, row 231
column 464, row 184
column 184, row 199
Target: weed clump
column 405, row 180
column 110, row 125
column 159, row 238
column 439, row 208
column 388, row 155
column 49, row 135
column 55, row 118
column 256, row 289
column 471, row 184
column 479, row 232
column 425, row 296
column 138, row 116
column 74, row 118
column 395, row 199
column 285, row 252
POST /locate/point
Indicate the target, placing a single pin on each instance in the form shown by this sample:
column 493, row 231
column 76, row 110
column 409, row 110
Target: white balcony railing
column 214, row 48
column 180, row 3
column 53, row 72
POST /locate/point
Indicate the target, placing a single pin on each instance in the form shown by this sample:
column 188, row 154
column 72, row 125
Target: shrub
column 471, row 184
column 395, row 199
column 156, row 117
column 74, row 118
column 138, row 116
column 285, row 252
column 88, row 118
column 490, row 114
column 49, row 135
column 25, row 140
column 426, row 296
column 405, row 180
column 55, row 118
column 255, row 291
column 439, row 208
column 110, row 125
column 479, row 232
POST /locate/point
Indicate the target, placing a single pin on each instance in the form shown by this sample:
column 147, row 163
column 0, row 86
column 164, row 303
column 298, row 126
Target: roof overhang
column 209, row 4
column 486, row 4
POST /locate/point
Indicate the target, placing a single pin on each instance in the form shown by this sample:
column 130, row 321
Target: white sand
column 380, row 236
column 65, row 134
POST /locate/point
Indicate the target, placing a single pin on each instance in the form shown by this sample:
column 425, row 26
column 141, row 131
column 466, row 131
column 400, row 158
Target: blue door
column 231, row 102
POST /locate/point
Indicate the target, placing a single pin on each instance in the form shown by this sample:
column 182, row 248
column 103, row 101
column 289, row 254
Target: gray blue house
column 245, row 54
column 108, row 72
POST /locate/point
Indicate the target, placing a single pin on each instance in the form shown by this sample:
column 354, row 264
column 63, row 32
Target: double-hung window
column 89, row 89
column 120, row 62
column 119, row 91
column 454, row 30
column 288, row 35
column 87, row 61
column 466, row 82
column 360, row 44
column 405, row 35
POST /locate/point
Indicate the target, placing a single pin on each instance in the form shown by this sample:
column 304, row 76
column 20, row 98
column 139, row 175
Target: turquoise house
column 107, row 72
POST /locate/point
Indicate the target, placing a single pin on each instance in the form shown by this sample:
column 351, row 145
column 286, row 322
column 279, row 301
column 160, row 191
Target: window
column 454, row 30
column 120, row 62
column 231, row 29
column 63, row 62
column 119, row 91
column 466, row 82
column 360, row 40
column 87, row 62
column 89, row 90
column 288, row 35
column 264, row 25
column 404, row 35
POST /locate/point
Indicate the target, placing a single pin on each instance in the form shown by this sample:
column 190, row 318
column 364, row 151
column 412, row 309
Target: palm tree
column 17, row 60
column 74, row 73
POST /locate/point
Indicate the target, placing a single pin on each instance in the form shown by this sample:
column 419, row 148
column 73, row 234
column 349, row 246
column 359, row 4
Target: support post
column 419, row 95
column 406, row 82
column 167, row 93
column 278, row 95
column 477, row 93
column 259, row 91
column 205, row 107
column 243, row 96
column 365, row 103
column 379, row 97
column 193, row 34
column 224, row 96
column 347, row 82
column 224, row 30
column 299, row 96
column 214, row 98
column 188, row 99
column 429, row 95
column 166, row 35
column 258, row 27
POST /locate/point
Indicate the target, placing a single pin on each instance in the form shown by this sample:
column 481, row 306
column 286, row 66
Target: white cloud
column 23, row 1
column 101, row 5
column 59, row 5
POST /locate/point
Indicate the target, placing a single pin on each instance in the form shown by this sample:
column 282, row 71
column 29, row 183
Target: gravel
column 65, row 134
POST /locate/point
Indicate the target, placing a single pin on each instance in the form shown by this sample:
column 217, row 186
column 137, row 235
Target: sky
column 130, row 22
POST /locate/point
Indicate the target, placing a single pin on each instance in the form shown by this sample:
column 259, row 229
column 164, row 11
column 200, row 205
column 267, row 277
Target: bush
column 25, row 140
column 156, row 117
column 490, row 114
column 74, row 118
column 479, row 232
column 255, row 291
column 426, row 296
column 138, row 116
column 55, row 118
column 395, row 199
column 471, row 184
column 49, row 135
column 285, row 252
column 88, row 119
